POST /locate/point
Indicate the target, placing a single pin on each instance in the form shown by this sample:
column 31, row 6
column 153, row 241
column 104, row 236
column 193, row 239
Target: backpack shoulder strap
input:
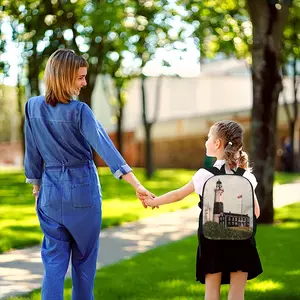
column 240, row 171
column 215, row 171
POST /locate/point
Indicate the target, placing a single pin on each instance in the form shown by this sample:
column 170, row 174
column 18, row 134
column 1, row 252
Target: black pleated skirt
column 224, row 256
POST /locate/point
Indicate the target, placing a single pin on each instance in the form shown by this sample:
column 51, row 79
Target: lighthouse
column 218, row 201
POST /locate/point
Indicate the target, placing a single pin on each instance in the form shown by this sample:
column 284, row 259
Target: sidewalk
column 21, row 270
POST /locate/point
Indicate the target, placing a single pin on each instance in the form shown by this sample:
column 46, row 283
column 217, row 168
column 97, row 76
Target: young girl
column 59, row 134
column 221, row 261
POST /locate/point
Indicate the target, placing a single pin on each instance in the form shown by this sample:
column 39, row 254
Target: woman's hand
column 150, row 202
column 35, row 193
column 142, row 193
column 36, row 198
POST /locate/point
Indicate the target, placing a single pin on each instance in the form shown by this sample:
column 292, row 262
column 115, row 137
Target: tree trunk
column 93, row 71
column 86, row 93
column 120, row 120
column 297, row 145
column 268, row 23
column 21, row 93
column 296, row 116
column 148, row 147
column 147, row 127
column 33, row 75
column 292, row 145
column 291, row 156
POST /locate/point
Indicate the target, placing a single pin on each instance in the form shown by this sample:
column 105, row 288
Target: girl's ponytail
column 229, row 155
column 236, row 158
column 244, row 161
column 231, row 133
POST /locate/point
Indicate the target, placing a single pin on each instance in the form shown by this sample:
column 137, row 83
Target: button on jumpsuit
column 58, row 157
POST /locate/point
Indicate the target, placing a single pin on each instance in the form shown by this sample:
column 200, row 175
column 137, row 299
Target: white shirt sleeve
column 200, row 177
column 251, row 178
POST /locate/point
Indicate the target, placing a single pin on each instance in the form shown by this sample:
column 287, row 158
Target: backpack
column 228, row 206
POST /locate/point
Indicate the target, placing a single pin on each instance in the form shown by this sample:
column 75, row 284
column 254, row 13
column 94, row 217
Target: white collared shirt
column 202, row 175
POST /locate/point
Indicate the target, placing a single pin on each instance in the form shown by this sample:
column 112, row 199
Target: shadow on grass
column 22, row 229
column 19, row 237
column 168, row 272
column 282, row 177
column 115, row 221
column 271, row 296
column 286, row 220
column 119, row 202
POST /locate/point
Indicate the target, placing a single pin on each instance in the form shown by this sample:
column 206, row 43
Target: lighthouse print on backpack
column 228, row 207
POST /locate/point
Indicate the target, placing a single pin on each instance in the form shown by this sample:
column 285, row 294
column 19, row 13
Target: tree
column 134, row 46
column 118, row 99
column 44, row 26
column 116, row 65
column 102, row 26
column 268, row 27
column 94, row 29
column 149, row 32
column 225, row 27
column 4, row 68
column 40, row 28
column 291, row 56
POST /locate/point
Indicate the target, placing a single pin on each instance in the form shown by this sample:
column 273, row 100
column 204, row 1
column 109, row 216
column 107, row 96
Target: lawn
column 168, row 272
column 19, row 225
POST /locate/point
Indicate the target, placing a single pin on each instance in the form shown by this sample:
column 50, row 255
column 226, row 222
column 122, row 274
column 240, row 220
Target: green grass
column 168, row 272
column 19, row 225
column 282, row 178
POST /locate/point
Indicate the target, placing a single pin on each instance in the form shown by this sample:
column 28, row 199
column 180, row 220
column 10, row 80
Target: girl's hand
column 150, row 202
column 143, row 193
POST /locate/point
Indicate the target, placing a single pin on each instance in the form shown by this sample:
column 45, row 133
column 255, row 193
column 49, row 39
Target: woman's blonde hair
column 231, row 133
column 60, row 75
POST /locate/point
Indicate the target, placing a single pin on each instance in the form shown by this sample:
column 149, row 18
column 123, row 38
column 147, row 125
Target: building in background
column 188, row 107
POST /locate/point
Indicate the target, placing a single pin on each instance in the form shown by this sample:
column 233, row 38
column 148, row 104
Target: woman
column 59, row 134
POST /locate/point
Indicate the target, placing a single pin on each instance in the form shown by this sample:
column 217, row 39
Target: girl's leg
column 212, row 286
column 238, row 282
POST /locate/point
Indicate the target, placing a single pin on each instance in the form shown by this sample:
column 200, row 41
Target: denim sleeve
column 33, row 162
column 97, row 137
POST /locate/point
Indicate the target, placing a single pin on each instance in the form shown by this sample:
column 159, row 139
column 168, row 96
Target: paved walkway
column 21, row 270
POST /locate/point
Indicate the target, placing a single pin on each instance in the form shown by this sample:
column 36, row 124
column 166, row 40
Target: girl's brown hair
column 231, row 133
column 60, row 75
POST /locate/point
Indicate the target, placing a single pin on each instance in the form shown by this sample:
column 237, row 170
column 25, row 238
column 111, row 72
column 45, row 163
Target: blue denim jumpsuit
column 58, row 157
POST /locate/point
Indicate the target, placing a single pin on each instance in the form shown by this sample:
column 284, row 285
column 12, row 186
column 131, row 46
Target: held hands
column 144, row 194
column 150, row 202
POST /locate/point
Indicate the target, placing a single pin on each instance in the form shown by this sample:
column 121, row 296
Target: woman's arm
column 33, row 162
column 132, row 180
column 98, row 138
column 141, row 192
column 172, row 196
